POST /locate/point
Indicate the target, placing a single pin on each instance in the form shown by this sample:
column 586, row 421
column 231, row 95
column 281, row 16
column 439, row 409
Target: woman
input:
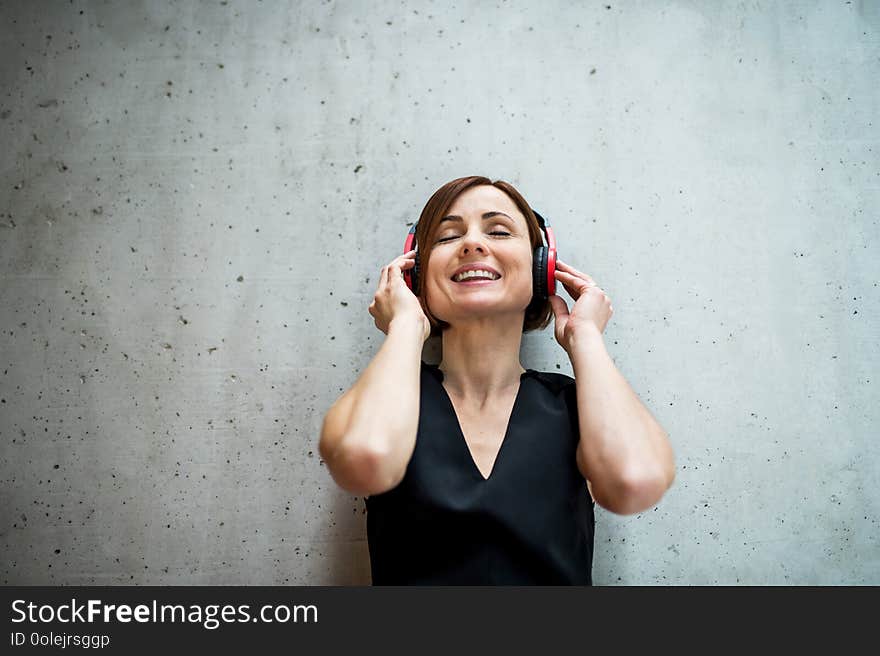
column 477, row 470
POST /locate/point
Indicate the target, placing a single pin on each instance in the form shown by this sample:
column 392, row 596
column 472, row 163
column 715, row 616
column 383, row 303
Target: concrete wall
column 196, row 199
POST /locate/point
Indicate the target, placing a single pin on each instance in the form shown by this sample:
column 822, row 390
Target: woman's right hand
column 394, row 299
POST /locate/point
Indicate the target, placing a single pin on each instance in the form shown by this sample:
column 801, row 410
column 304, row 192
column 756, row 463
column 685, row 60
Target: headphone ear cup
column 415, row 276
column 539, row 274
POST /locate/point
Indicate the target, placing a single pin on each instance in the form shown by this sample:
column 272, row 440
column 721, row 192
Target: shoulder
column 560, row 386
column 557, row 383
column 431, row 370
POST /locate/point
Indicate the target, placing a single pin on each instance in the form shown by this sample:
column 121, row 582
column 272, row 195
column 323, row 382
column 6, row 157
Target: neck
column 481, row 359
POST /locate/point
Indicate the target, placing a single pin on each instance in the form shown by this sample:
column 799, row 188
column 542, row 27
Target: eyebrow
column 486, row 215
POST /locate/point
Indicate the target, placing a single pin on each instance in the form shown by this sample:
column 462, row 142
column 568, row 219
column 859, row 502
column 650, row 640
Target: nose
column 473, row 241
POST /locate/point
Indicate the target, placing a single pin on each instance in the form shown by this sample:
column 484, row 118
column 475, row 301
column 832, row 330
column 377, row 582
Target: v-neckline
column 463, row 441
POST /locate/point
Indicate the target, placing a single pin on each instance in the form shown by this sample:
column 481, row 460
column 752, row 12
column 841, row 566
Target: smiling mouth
column 475, row 281
column 487, row 277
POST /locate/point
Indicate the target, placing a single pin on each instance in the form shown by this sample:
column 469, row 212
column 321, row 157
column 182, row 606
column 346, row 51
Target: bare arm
column 369, row 434
column 623, row 449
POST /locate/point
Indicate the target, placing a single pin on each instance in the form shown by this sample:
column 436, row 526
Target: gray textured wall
column 196, row 199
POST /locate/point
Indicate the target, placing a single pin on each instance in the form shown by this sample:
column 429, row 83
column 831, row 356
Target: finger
column 565, row 278
column 570, row 276
column 568, row 279
column 409, row 256
column 571, row 269
column 573, row 285
column 565, row 266
column 559, row 306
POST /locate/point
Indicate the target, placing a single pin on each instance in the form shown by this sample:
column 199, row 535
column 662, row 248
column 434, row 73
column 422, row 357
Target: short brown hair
column 538, row 313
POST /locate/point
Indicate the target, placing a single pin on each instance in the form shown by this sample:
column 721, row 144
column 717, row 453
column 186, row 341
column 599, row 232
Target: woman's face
column 501, row 242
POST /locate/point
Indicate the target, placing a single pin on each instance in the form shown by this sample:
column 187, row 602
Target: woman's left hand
column 592, row 307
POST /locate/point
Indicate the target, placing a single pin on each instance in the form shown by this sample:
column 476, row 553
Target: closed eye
column 494, row 232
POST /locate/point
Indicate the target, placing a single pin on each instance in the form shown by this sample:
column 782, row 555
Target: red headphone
column 543, row 268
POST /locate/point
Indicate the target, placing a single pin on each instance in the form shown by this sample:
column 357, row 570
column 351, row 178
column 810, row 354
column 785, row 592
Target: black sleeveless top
column 530, row 523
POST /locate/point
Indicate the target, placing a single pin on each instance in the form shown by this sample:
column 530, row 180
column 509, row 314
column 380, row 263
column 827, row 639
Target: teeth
column 487, row 275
